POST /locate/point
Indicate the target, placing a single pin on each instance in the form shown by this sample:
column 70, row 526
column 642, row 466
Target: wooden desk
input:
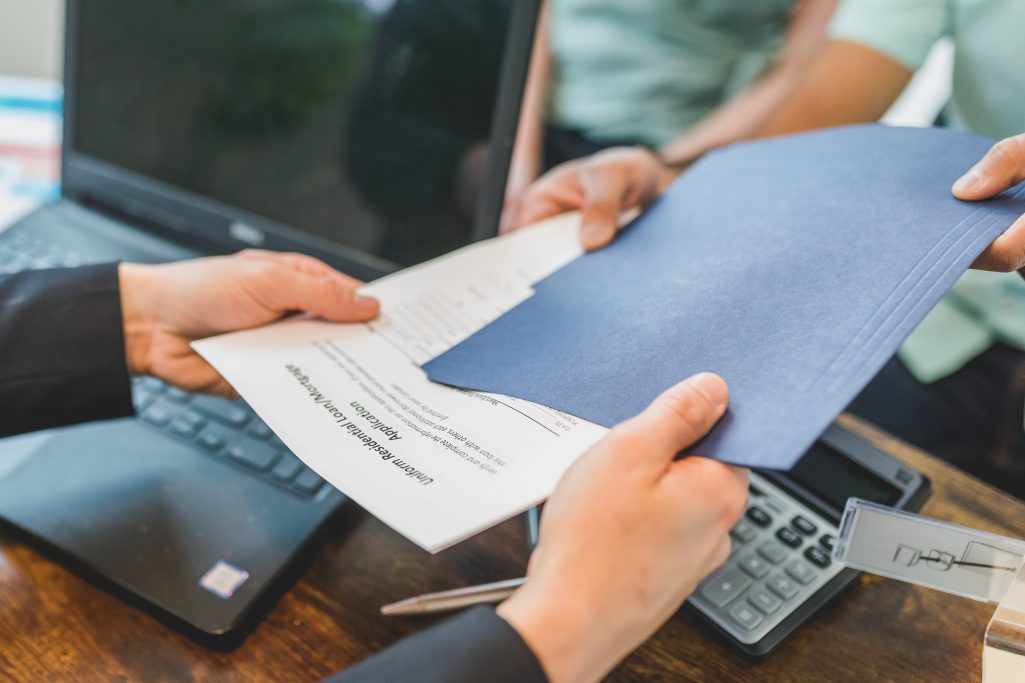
column 55, row 626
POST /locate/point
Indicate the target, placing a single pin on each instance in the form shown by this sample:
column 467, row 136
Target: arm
column 849, row 83
column 742, row 115
column 526, row 161
column 628, row 534
column 70, row 339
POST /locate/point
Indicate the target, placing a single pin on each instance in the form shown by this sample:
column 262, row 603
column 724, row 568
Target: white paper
column 437, row 464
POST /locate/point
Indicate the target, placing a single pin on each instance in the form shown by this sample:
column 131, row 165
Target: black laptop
column 373, row 134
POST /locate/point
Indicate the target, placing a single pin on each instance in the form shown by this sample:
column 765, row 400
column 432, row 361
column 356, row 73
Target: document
column 793, row 267
column 436, row 464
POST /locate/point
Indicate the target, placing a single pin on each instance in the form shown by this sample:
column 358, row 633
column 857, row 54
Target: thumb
column 680, row 416
column 1001, row 168
column 324, row 297
column 604, row 187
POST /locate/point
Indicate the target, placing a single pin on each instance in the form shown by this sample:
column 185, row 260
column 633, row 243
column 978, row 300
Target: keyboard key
column 182, row 428
column 211, row 441
column 722, row 587
column 765, row 601
column 157, row 415
column 141, row 401
column 789, row 537
column 151, row 385
column 194, row 419
column 754, row 566
column 828, row 542
column 798, row 569
column 231, row 413
column 287, row 468
column 308, row 482
column 746, row 615
column 253, row 454
column 177, row 395
column 804, row 525
column 782, row 586
column 259, row 430
column 817, row 556
column 772, row 552
column 759, row 516
column 744, row 532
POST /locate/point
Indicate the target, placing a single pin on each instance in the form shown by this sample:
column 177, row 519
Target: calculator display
column 835, row 478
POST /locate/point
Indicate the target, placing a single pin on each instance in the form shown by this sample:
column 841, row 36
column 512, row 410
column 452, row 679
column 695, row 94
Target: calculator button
column 804, row 525
column 817, row 556
column 772, row 552
column 782, row 586
column 723, row 586
column 828, row 542
column 759, row 516
column 801, row 571
column 746, row 615
column 788, row 537
column 744, row 532
column 754, row 566
column 766, row 602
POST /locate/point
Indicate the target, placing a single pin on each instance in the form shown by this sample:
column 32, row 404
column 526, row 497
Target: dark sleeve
column 476, row 646
column 62, row 349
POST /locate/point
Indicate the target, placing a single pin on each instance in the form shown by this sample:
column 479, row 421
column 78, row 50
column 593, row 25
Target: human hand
column 165, row 307
column 602, row 186
column 1001, row 168
column 627, row 536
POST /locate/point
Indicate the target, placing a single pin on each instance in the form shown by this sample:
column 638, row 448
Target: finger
column 679, row 417
column 558, row 194
column 719, row 490
column 303, row 263
column 1007, row 253
column 285, row 289
column 605, row 186
column 1002, row 167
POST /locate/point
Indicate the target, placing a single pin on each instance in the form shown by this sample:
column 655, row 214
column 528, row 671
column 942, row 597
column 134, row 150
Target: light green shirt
column 645, row 71
column 988, row 98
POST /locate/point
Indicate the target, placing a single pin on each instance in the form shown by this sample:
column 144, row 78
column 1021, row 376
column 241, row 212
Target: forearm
column 63, row 349
column 744, row 114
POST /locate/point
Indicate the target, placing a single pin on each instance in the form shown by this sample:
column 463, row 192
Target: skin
column 166, row 307
column 629, row 531
column 849, row 84
column 627, row 536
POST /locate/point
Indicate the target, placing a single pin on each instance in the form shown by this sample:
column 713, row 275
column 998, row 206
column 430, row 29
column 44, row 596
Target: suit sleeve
column 62, row 349
column 476, row 646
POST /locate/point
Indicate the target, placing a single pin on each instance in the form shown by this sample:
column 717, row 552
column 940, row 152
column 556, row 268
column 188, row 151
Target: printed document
column 435, row 463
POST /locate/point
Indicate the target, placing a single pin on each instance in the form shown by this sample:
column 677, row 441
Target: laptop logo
column 223, row 579
column 246, row 233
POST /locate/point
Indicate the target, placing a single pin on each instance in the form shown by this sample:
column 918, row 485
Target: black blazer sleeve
column 62, row 349
column 476, row 646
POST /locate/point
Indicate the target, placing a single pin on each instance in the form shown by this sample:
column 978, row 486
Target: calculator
column 781, row 569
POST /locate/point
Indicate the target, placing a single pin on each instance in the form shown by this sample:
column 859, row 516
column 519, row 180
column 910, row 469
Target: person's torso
column 646, row 70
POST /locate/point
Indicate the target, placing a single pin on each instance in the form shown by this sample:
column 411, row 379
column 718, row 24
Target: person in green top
column 681, row 76
column 958, row 386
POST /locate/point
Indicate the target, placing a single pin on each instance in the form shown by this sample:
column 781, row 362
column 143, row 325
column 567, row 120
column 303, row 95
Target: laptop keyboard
column 228, row 430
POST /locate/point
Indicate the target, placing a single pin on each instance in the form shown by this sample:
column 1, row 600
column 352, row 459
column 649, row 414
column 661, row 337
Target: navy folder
column 793, row 267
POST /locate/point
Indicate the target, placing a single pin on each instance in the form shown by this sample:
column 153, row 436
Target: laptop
column 373, row 134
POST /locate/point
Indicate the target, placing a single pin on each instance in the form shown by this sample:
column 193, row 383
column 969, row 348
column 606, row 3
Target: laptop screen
column 369, row 123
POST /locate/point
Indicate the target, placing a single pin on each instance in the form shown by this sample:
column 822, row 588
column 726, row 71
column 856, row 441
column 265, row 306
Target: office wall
column 31, row 36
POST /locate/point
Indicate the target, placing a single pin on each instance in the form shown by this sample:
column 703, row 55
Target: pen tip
column 397, row 608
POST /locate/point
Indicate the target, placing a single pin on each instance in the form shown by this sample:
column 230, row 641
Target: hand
column 627, row 536
column 166, row 307
column 602, row 186
column 1001, row 168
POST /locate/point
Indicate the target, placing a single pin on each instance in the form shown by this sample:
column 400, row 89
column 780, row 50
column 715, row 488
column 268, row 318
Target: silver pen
column 454, row 599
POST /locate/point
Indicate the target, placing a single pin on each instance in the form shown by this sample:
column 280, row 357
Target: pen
column 454, row 599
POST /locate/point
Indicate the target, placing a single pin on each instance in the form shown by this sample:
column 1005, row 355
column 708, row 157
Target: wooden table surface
column 57, row 626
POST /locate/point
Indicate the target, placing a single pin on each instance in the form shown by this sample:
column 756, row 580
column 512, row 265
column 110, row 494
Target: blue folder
column 792, row 267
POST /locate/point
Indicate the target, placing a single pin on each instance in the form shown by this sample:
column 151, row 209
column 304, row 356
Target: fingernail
column 592, row 233
column 969, row 182
column 712, row 386
column 364, row 301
